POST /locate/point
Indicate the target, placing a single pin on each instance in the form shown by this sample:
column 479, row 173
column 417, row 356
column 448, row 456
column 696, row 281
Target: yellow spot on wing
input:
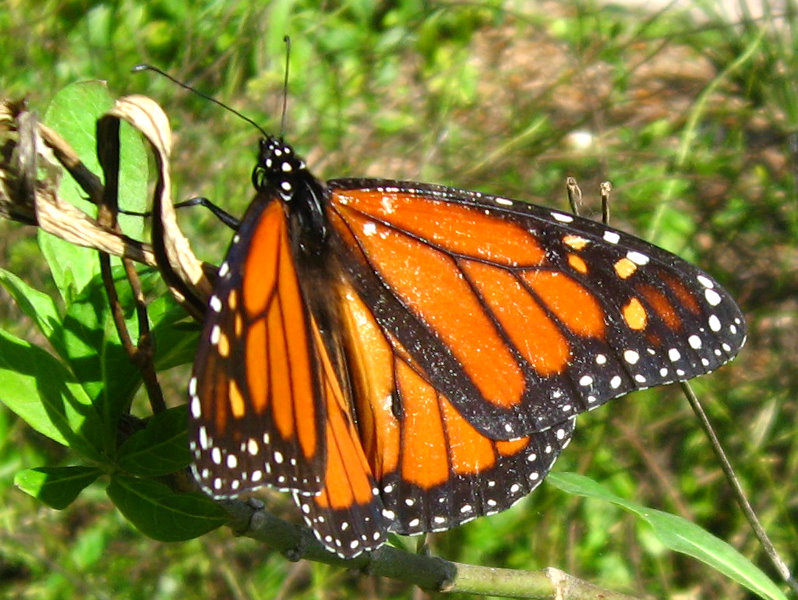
column 575, row 242
column 577, row 264
column 237, row 406
column 635, row 315
column 224, row 345
column 625, row 268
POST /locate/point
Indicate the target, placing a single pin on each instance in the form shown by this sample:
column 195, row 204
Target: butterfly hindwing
column 347, row 516
column 521, row 315
column 433, row 468
column 254, row 397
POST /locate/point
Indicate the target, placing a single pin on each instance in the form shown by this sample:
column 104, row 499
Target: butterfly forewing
column 254, row 397
column 523, row 316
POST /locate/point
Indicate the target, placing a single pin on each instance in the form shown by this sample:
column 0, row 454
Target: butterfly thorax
column 280, row 173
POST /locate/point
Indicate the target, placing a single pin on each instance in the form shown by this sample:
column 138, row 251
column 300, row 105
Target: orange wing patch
column 576, row 307
column 538, row 339
column 662, row 306
column 459, row 229
column 287, row 350
column 408, row 266
column 684, row 296
column 635, row 314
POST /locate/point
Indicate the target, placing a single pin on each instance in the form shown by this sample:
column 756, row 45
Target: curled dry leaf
column 30, row 172
column 33, row 158
column 18, row 163
column 187, row 277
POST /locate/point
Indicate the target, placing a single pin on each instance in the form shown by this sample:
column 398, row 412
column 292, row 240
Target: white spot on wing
column 705, row 281
column 203, row 438
column 713, row 298
column 196, row 409
column 631, row 356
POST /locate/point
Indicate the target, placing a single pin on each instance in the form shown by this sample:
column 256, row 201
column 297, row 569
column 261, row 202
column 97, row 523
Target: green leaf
column 176, row 336
column 57, row 487
column 73, row 114
column 43, row 393
column 35, row 304
column 133, row 180
column 94, row 350
column 88, row 343
column 162, row 514
column 159, row 449
column 679, row 535
column 90, row 545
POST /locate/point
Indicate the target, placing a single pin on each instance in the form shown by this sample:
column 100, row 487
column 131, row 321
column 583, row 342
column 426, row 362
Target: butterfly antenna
column 287, row 41
column 146, row 67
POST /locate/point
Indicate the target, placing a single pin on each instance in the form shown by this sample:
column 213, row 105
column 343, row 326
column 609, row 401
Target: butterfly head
column 279, row 172
column 278, row 168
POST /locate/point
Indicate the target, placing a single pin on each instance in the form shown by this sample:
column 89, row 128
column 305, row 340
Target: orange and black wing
column 348, row 515
column 433, row 468
column 255, row 397
column 521, row 316
column 408, row 357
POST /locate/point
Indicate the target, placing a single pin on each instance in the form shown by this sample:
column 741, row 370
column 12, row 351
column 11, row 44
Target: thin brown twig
column 140, row 354
column 605, row 187
column 574, row 195
column 739, row 494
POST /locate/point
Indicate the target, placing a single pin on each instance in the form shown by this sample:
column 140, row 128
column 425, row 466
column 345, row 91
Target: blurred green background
column 693, row 116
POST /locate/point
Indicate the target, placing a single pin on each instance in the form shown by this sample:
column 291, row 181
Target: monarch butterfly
column 405, row 357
